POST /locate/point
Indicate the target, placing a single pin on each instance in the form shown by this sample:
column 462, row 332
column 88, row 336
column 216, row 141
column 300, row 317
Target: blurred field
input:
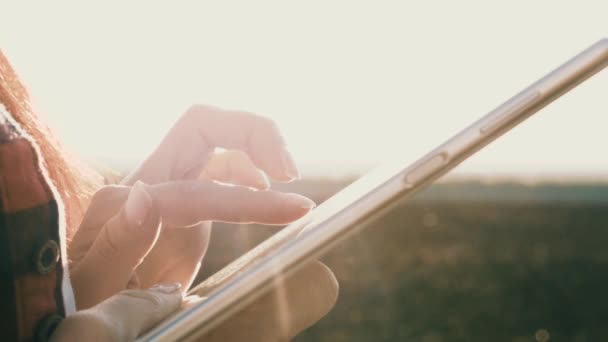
column 464, row 262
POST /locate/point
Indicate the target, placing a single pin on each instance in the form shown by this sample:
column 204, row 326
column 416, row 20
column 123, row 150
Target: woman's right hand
column 107, row 250
column 122, row 226
column 121, row 317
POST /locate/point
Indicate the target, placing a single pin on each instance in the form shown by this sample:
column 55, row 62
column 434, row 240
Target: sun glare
column 362, row 85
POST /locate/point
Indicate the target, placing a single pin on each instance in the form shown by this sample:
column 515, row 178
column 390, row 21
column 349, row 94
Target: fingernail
column 166, row 288
column 289, row 166
column 299, row 201
column 138, row 205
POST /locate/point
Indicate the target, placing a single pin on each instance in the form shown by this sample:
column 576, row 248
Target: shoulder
column 8, row 129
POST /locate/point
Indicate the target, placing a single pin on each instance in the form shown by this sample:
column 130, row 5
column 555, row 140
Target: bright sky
column 349, row 82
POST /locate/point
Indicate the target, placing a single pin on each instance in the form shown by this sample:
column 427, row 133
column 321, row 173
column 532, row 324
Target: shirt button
column 47, row 257
column 46, row 327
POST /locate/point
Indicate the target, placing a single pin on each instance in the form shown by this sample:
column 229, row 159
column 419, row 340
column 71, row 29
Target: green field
column 465, row 262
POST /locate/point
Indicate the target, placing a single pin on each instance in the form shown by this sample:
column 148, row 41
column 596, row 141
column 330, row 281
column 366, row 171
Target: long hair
column 74, row 180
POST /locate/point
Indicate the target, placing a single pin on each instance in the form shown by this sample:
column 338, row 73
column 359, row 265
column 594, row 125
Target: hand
column 122, row 226
column 140, row 257
column 299, row 301
column 254, row 146
column 114, row 237
column 187, row 151
column 121, row 317
column 293, row 304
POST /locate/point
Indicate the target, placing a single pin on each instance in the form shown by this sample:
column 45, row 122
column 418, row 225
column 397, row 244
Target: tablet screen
column 334, row 205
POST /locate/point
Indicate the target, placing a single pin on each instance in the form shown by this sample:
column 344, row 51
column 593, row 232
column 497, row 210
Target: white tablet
column 244, row 280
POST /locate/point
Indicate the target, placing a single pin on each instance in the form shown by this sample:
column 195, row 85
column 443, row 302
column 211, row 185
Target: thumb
column 121, row 317
column 120, row 246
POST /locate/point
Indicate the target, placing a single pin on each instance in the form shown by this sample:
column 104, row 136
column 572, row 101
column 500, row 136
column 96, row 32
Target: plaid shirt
column 35, row 291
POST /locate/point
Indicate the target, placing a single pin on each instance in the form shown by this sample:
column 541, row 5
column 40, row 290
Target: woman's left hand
column 122, row 317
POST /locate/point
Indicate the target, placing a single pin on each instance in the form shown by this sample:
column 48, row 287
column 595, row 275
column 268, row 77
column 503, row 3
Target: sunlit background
column 351, row 83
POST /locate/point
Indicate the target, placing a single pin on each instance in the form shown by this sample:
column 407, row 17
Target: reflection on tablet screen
column 326, row 210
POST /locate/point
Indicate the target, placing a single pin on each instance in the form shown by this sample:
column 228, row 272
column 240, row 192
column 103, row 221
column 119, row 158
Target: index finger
column 186, row 203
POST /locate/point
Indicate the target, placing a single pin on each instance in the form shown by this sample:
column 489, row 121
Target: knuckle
column 266, row 124
column 196, row 111
column 197, row 108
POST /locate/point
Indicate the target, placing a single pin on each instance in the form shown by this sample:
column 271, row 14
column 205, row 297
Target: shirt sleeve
column 35, row 291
